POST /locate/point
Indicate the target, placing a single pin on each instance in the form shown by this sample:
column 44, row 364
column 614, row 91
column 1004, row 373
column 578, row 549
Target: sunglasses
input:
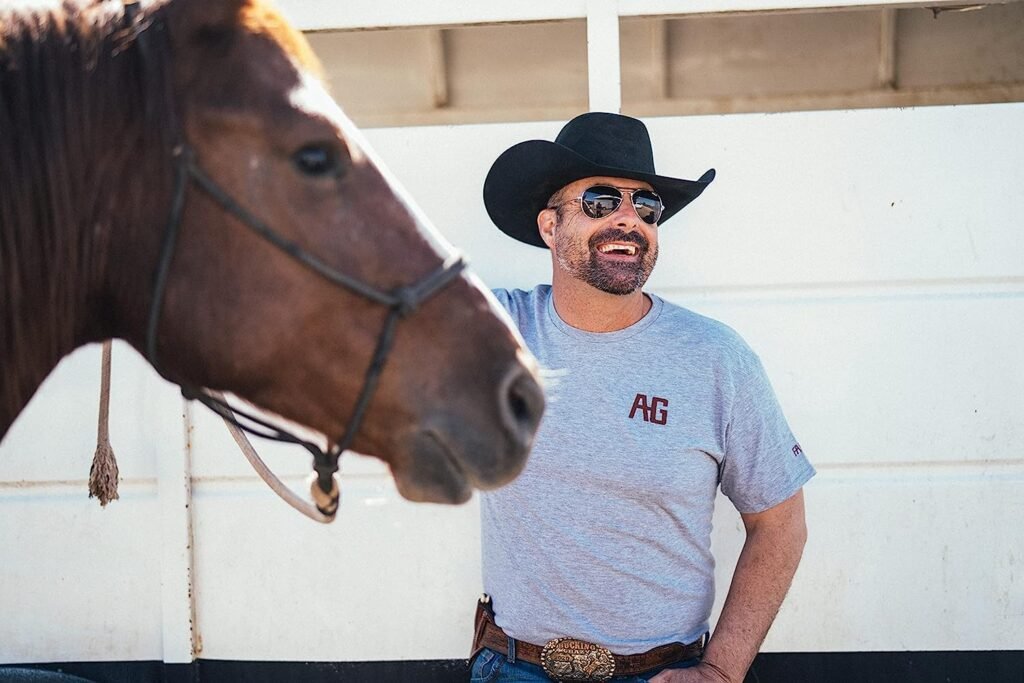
column 603, row 200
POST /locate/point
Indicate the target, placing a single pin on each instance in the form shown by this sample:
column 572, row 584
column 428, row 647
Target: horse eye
column 318, row 160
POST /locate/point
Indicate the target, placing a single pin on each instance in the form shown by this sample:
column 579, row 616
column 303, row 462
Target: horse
column 175, row 175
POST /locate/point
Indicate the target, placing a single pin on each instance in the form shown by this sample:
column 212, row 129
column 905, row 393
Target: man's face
column 614, row 254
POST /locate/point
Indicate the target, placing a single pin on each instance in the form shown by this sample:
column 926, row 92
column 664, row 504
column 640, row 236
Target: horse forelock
column 259, row 17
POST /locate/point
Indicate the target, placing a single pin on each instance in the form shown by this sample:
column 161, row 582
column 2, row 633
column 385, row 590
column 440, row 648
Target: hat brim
column 523, row 178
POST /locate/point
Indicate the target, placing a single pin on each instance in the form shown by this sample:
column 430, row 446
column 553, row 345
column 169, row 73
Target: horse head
column 457, row 402
column 230, row 85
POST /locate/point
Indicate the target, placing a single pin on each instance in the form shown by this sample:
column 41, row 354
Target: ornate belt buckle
column 569, row 659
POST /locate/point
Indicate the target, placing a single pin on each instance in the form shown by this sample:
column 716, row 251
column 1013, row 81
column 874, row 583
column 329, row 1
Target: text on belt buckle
column 569, row 659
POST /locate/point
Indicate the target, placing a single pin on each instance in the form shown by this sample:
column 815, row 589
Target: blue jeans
column 491, row 667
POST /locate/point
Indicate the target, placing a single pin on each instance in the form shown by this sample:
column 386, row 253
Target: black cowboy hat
column 523, row 178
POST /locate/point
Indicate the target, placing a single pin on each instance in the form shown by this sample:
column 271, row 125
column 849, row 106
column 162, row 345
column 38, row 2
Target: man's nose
column 625, row 215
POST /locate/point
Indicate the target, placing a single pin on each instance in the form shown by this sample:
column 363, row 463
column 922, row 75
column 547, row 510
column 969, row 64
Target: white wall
column 875, row 260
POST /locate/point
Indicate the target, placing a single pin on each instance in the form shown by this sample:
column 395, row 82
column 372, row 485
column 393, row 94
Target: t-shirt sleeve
column 504, row 298
column 764, row 464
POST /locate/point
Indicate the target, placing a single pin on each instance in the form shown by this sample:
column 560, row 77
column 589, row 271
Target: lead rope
column 103, row 473
column 271, row 480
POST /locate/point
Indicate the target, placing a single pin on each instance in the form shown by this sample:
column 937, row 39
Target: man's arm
column 775, row 540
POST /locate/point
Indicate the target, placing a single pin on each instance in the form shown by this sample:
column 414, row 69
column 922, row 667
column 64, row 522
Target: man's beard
column 582, row 260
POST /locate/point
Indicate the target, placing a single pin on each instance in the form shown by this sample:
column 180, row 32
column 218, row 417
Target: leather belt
column 569, row 659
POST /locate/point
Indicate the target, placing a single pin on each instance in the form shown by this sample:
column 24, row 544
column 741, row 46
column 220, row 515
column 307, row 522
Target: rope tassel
column 103, row 473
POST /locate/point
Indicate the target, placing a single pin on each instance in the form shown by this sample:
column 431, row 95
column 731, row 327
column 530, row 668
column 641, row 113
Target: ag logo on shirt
column 654, row 409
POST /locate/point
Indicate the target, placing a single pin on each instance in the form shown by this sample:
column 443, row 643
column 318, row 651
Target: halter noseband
column 400, row 302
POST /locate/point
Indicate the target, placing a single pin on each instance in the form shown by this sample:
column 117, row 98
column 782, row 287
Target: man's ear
column 547, row 219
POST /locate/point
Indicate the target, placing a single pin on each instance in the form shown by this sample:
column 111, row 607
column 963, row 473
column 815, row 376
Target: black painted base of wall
column 804, row 667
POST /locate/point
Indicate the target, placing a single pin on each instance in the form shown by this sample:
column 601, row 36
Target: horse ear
column 200, row 30
column 203, row 23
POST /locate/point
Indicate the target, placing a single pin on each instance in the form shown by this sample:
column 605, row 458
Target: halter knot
column 325, row 464
column 406, row 301
column 184, row 155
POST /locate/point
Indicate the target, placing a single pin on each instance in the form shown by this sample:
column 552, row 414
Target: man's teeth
column 629, row 249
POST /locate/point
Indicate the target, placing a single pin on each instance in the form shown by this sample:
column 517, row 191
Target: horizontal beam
column 330, row 15
column 677, row 106
column 883, row 98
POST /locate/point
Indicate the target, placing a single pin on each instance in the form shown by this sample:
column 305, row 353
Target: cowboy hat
column 523, row 178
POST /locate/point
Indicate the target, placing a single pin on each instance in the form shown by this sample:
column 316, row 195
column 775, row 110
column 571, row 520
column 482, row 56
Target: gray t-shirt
column 606, row 535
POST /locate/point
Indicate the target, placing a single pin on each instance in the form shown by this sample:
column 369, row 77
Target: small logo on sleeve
column 797, row 451
column 653, row 409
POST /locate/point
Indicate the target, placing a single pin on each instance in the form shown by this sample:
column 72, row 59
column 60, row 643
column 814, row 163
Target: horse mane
column 88, row 122
column 79, row 104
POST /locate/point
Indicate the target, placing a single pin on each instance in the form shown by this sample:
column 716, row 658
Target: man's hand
column 702, row 673
column 771, row 552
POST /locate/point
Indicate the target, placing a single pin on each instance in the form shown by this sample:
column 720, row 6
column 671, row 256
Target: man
column 597, row 558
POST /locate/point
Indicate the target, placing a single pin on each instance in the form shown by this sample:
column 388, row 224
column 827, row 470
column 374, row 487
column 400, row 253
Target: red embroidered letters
column 653, row 410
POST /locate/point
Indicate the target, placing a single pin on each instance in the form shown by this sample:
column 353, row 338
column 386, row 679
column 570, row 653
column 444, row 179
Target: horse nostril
column 522, row 404
column 520, row 407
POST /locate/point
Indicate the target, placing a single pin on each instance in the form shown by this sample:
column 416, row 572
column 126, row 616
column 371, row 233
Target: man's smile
column 618, row 248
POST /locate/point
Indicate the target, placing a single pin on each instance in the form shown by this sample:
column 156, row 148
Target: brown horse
column 176, row 176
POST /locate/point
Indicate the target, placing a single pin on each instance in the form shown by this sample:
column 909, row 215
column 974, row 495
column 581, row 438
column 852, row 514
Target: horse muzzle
column 447, row 457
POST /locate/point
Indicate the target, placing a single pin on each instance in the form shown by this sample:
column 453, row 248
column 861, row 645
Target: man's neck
column 592, row 310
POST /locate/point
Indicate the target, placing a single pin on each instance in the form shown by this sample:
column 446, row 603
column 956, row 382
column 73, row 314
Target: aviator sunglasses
column 603, row 200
